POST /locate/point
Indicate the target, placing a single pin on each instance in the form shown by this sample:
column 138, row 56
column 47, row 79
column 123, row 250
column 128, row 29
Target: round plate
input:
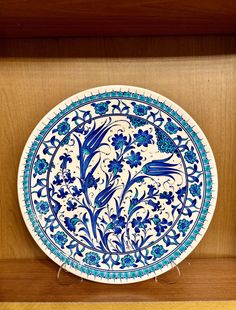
column 117, row 184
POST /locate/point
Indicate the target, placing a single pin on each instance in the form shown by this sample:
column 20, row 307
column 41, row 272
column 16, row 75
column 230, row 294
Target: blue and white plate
column 117, row 184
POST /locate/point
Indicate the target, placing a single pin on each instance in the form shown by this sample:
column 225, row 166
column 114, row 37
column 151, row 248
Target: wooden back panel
column 198, row 73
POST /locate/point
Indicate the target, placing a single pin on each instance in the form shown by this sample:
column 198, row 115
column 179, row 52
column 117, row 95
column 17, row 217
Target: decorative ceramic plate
column 117, row 183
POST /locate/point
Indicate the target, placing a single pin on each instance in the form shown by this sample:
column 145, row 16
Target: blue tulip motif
column 160, row 168
column 104, row 196
column 89, row 148
column 94, row 138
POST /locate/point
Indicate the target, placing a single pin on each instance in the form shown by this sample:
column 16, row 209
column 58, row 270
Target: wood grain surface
column 35, row 280
column 20, row 18
column 198, row 73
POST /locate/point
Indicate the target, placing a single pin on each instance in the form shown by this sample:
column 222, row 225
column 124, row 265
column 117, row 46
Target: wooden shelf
column 116, row 18
column 35, row 280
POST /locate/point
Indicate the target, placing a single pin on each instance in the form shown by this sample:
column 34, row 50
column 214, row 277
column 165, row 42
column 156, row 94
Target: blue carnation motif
column 91, row 258
column 143, row 138
column 117, row 223
column 140, row 109
column 140, row 223
column 158, row 251
column 115, row 166
column 63, row 128
column 168, row 196
column 62, row 193
column 127, row 261
column 156, row 220
column 57, row 180
column 71, row 222
column 171, row 127
column 183, row 226
column 60, row 238
column 90, row 181
column 71, row 206
column 119, row 141
column 42, row 207
column 75, row 191
column 40, row 166
column 101, row 108
column 195, row 190
column 134, row 159
column 160, row 225
column 69, row 178
column 190, row 156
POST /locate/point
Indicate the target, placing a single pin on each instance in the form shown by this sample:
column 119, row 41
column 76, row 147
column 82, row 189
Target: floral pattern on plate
column 117, row 185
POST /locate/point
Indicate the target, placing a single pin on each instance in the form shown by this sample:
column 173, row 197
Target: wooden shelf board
column 35, row 280
column 116, row 18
